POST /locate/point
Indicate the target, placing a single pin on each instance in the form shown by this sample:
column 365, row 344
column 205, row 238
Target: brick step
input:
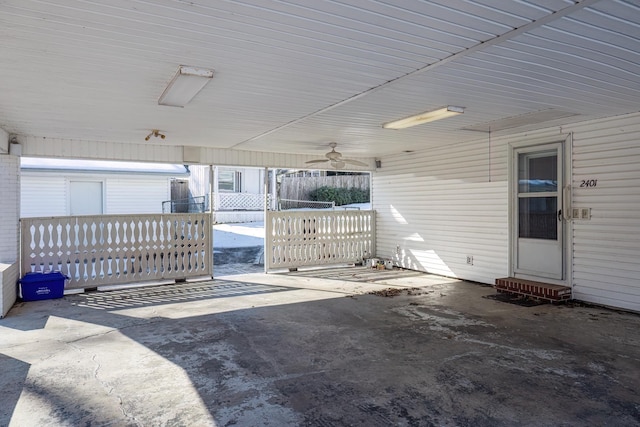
column 530, row 288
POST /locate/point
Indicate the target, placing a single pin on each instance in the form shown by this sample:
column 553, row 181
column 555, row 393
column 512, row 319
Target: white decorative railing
column 312, row 238
column 112, row 249
column 238, row 201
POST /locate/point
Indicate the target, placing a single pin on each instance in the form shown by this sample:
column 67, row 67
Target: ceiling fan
column 334, row 158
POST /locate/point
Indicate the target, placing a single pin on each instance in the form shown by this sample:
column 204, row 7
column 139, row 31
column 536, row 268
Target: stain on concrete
column 307, row 356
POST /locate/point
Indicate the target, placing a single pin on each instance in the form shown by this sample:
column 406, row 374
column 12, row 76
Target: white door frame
column 565, row 196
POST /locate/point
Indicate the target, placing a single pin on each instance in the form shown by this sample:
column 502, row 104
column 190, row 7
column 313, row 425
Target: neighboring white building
column 238, row 192
column 60, row 187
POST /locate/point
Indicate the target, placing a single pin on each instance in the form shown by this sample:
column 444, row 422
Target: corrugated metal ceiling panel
column 93, row 70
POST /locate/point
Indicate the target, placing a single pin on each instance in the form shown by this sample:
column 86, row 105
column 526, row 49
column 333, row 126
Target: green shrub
column 358, row 195
column 341, row 196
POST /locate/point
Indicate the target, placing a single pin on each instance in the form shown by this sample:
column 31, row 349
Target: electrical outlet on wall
column 575, row 213
column 470, row 259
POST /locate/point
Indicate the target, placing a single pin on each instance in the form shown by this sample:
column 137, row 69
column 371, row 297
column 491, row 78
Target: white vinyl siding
column 442, row 205
column 98, row 150
column 253, row 180
column 43, row 195
column 199, row 180
column 47, row 193
column 127, row 194
column 606, row 248
column 439, row 207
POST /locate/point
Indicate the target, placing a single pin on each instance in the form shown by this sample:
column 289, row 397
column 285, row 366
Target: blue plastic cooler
column 39, row 286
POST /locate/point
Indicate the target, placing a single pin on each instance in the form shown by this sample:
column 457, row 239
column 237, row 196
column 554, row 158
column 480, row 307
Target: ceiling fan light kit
column 334, row 158
column 426, row 117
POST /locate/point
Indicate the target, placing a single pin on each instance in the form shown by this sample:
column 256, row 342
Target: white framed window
column 230, row 181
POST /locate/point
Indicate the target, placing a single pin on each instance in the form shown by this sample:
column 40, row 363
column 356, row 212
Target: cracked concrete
column 314, row 348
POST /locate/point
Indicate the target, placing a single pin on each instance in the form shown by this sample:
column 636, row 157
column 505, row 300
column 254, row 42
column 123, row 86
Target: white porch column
column 216, row 197
column 9, row 224
column 274, row 190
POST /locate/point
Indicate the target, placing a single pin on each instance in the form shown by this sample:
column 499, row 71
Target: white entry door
column 538, row 219
column 85, row 198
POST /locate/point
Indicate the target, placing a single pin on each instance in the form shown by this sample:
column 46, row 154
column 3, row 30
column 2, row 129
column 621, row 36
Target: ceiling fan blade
column 310, row 162
column 354, row 162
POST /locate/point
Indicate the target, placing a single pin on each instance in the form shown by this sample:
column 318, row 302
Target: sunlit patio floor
column 339, row 347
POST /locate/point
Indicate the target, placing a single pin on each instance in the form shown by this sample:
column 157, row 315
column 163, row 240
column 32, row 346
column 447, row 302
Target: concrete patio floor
column 316, row 349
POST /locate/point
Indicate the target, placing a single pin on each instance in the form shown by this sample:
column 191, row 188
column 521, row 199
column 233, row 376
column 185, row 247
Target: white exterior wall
column 132, row 194
column 33, row 146
column 43, row 195
column 9, row 229
column 252, row 180
column 606, row 248
column 47, row 193
column 442, row 205
column 199, row 180
column 439, row 206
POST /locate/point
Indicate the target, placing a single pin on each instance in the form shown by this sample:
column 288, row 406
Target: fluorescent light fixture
column 186, row 84
column 429, row 116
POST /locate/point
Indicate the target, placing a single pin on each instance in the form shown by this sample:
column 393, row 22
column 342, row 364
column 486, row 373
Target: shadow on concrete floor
column 289, row 350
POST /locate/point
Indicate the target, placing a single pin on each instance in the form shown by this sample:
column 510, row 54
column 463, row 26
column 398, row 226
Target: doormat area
column 520, row 300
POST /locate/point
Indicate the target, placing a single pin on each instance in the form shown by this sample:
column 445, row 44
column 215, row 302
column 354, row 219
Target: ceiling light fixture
column 428, row 116
column 156, row 133
column 186, row 84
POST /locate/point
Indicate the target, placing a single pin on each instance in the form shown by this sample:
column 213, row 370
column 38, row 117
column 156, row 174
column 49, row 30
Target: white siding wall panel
column 606, row 248
column 127, row 195
column 442, row 205
column 85, row 149
column 199, row 180
column 46, row 194
column 438, row 206
column 43, row 195
column 252, row 181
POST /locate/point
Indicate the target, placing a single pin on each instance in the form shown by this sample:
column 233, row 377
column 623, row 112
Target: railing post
column 268, row 241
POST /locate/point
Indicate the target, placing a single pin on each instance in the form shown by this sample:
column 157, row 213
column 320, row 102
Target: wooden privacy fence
column 312, row 238
column 298, row 188
column 114, row 249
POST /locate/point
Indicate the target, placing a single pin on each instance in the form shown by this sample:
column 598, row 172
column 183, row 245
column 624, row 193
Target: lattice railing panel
column 298, row 239
column 238, row 201
column 112, row 249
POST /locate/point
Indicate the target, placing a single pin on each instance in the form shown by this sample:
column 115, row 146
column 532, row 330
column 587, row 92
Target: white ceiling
column 291, row 76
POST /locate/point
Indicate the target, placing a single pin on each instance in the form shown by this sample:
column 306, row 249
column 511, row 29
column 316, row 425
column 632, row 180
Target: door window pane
column 537, row 218
column 537, row 172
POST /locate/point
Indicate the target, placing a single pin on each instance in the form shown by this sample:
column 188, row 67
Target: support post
column 265, row 217
column 211, row 216
column 9, row 226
